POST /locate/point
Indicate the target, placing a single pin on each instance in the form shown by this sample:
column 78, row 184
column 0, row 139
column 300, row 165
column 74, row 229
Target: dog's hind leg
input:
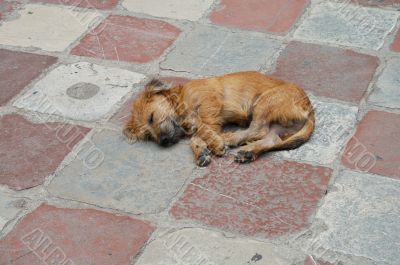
column 278, row 138
column 201, row 153
column 256, row 131
column 251, row 151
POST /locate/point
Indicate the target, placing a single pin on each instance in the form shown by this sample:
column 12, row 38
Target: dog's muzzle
column 171, row 137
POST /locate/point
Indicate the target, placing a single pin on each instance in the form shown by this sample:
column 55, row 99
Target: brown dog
column 278, row 115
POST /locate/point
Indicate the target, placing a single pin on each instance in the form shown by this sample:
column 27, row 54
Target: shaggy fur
column 275, row 115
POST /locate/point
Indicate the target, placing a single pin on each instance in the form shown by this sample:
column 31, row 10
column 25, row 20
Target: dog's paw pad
column 204, row 159
column 245, row 156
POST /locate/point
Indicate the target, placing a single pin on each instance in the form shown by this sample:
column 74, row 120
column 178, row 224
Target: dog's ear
column 155, row 86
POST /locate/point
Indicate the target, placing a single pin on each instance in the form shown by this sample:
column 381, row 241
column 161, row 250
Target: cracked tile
column 209, row 51
column 138, row 178
column 128, row 39
column 267, row 198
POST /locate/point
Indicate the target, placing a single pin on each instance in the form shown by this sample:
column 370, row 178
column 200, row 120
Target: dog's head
column 154, row 116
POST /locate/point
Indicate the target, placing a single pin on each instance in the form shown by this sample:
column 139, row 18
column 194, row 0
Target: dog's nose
column 164, row 140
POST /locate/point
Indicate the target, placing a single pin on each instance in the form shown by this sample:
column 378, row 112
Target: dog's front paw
column 130, row 137
column 244, row 156
column 219, row 151
column 204, row 158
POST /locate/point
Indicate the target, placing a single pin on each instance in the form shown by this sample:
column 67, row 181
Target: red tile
column 18, row 69
column 122, row 116
column 396, row 44
column 327, row 71
column 30, row 152
column 266, row 198
column 263, row 15
column 97, row 4
column 379, row 3
column 129, row 39
column 375, row 147
column 51, row 235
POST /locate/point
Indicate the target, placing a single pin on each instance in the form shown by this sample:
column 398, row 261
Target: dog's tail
column 300, row 137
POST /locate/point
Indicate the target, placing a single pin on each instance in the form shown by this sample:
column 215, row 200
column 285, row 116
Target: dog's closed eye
column 151, row 117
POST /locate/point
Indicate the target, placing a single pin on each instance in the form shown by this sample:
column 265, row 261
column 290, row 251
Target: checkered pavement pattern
column 74, row 192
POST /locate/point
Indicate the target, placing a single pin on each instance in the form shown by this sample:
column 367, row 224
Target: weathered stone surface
column 9, row 208
column 200, row 246
column 209, row 51
column 51, row 235
column 188, row 9
column 18, row 69
column 387, row 91
column 265, row 198
column 7, row 6
column 73, row 99
column 135, row 178
column 379, row 3
column 30, row 152
column 265, row 15
column 49, row 28
column 102, row 4
column 129, row 39
column 347, row 24
column 334, row 123
column 363, row 217
column 327, row 71
column 375, row 147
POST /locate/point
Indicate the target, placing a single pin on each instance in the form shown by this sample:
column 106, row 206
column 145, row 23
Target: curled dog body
column 275, row 115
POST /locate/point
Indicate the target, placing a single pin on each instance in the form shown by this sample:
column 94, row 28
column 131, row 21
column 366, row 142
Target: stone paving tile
column 124, row 113
column 211, row 51
column 9, row 208
column 312, row 261
column 327, row 71
column 30, row 152
column 189, row 9
column 49, row 28
column 265, row 15
column 129, row 39
column 267, row 198
column 387, row 90
column 396, row 44
column 200, row 246
column 379, row 3
column 346, row 24
column 96, row 4
column 51, row 235
column 362, row 214
column 6, row 7
column 333, row 127
column 84, row 91
column 134, row 178
column 18, row 69
column 375, row 147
